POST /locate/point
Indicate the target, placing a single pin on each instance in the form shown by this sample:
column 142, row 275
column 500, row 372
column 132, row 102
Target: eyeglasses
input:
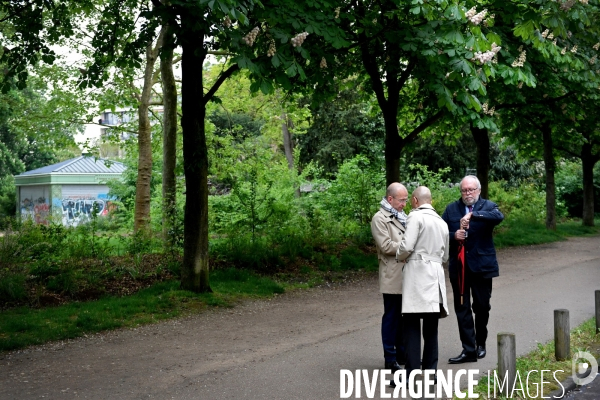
column 400, row 200
column 467, row 191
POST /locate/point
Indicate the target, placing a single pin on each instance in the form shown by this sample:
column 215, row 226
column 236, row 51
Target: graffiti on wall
column 73, row 210
column 35, row 209
column 79, row 209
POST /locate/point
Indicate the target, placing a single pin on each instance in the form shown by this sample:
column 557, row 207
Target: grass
column 522, row 233
column 583, row 338
column 23, row 326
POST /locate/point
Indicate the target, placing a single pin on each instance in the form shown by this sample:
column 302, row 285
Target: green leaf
column 292, row 70
column 224, row 7
column 524, row 30
column 474, row 84
column 415, row 10
column 275, row 61
column 266, row 87
column 455, row 36
column 493, row 38
column 474, row 101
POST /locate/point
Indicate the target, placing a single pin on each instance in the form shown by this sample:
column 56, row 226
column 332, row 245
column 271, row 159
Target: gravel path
column 293, row 345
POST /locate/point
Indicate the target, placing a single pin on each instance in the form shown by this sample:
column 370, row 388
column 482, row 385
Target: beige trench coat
column 387, row 232
column 425, row 247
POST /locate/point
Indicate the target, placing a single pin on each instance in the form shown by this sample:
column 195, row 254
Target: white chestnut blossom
column 593, row 60
column 475, row 17
column 487, row 56
column 563, row 51
column 251, row 36
column 520, row 85
column 323, row 63
column 272, row 49
column 488, row 21
column 596, row 46
column 567, row 4
column 545, row 33
column 518, row 62
column 227, row 21
column 299, row 39
column 487, row 111
column 574, row 49
column 337, row 13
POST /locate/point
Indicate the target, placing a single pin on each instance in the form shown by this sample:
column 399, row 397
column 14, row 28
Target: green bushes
column 261, row 224
column 12, row 287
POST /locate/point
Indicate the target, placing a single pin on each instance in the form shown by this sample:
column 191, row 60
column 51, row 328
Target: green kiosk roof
column 78, row 170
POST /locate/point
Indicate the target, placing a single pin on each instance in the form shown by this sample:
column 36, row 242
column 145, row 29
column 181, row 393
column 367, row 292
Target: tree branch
column 206, row 98
column 545, row 101
column 424, row 125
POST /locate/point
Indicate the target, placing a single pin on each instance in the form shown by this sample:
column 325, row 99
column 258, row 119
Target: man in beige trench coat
column 387, row 227
column 424, row 246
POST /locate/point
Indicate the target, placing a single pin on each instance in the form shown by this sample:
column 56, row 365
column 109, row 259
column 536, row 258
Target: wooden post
column 507, row 361
column 597, row 311
column 562, row 335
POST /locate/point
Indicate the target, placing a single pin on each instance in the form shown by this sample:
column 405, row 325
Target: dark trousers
column 392, row 328
column 472, row 330
column 412, row 334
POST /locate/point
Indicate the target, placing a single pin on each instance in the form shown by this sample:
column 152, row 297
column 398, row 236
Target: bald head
column 420, row 196
column 394, row 188
column 397, row 195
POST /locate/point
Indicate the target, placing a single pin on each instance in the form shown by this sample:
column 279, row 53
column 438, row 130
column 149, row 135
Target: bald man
column 387, row 227
column 424, row 247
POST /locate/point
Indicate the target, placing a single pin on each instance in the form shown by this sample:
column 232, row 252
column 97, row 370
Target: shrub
column 12, row 287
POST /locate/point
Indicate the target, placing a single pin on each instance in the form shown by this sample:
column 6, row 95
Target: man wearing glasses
column 388, row 226
column 473, row 264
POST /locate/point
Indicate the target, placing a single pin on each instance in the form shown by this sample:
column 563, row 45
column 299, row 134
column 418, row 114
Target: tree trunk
column 482, row 141
column 194, row 271
column 393, row 146
column 141, row 218
column 169, row 188
column 288, row 146
column 587, row 163
column 550, row 167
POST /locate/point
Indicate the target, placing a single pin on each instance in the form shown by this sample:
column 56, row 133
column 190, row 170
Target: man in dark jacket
column 471, row 221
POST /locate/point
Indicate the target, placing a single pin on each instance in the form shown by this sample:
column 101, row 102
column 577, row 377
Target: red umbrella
column 461, row 272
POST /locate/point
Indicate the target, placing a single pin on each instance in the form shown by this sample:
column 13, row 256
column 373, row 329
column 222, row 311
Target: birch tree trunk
column 142, row 188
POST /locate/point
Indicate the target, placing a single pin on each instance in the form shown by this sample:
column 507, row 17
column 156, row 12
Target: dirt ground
column 210, row 354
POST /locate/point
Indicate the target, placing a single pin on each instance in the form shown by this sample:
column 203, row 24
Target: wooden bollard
column 507, row 360
column 597, row 311
column 562, row 335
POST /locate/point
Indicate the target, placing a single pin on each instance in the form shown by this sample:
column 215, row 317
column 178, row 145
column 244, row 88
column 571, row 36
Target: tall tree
column 141, row 217
column 169, row 94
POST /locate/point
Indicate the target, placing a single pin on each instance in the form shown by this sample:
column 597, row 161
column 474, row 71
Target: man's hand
column 464, row 221
column 460, row 234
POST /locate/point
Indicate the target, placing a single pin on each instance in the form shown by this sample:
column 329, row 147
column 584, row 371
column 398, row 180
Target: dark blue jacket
column 480, row 253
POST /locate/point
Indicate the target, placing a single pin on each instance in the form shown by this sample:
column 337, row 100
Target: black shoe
column 463, row 358
column 481, row 351
column 394, row 366
column 401, row 361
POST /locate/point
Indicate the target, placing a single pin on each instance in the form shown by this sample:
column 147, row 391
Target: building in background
column 66, row 192
column 102, row 135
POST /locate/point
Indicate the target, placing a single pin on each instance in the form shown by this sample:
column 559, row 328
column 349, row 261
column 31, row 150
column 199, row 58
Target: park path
column 294, row 345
